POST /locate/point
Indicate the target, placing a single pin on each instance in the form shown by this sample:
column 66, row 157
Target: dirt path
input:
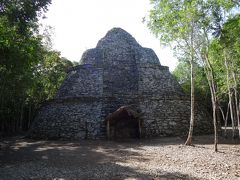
column 163, row 158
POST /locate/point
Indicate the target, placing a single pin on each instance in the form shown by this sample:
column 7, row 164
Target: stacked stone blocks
column 118, row 72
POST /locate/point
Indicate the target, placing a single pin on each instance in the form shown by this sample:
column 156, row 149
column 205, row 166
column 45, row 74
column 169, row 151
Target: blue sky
column 79, row 24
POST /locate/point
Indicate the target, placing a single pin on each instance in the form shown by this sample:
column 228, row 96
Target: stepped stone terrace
column 119, row 90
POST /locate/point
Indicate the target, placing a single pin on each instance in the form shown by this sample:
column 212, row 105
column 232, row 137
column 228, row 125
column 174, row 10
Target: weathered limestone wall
column 171, row 116
column 78, row 118
column 146, row 56
column 156, row 80
column 84, row 118
column 120, row 79
column 82, row 80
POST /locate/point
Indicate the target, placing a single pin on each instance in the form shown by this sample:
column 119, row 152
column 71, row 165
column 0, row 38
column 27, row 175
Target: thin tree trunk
column 239, row 117
column 29, row 115
column 2, row 93
column 190, row 132
column 214, row 107
column 215, row 126
column 210, row 77
column 225, row 118
column 236, row 102
column 21, row 117
column 229, row 95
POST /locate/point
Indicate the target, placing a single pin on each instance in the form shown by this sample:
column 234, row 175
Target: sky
column 79, row 24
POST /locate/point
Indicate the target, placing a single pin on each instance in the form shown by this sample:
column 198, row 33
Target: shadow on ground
column 29, row 159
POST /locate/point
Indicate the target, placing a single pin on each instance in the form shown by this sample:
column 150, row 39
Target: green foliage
column 23, row 14
column 170, row 20
column 49, row 75
column 226, row 47
column 18, row 54
column 193, row 25
column 183, row 75
column 173, row 21
column 30, row 73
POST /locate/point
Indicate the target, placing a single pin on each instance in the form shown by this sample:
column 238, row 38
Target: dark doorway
column 124, row 123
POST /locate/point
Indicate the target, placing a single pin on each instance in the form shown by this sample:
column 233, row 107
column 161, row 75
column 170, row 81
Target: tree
column 177, row 22
column 49, row 74
column 18, row 53
column 189, row 25
column 20, row 50
column 224, row 54
column 182, row 74
column 23, row 14
column 230, row 41
column 30, row 72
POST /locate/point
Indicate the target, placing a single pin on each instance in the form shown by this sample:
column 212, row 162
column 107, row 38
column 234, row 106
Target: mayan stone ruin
column 120, row 89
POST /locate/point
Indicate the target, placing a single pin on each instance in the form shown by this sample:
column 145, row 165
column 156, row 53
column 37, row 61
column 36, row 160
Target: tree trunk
column 236, row 102
column 29, row 115
column 21, row 118
column 215, row 126
column 210, row 77
column 231, row 113
column 190, row 132
column 214, row 107
column 229, row 95
column 225, row 118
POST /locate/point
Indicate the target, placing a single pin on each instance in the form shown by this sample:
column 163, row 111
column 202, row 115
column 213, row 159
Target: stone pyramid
column 119, row 72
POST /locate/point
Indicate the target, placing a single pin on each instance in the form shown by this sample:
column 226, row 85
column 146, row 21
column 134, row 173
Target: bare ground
column 163, row 158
